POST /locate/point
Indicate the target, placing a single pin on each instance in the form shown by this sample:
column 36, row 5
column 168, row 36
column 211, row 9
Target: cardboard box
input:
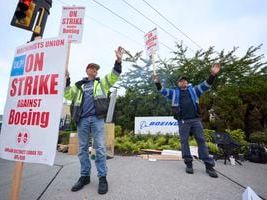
column 73, row 149
column 73, row 146
column 110, row 135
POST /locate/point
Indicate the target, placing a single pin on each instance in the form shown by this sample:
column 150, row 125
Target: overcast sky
column 223, row 24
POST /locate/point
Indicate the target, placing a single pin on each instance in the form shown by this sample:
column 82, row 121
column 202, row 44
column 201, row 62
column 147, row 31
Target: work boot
column 211, row 172
column 189, row 169
column 83, row 180
column 103, row 185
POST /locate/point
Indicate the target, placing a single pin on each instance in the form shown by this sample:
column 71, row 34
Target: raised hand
column 67, row 78
column 119, row 53
column 67, row 74
column 155, row 78
column 215, row 69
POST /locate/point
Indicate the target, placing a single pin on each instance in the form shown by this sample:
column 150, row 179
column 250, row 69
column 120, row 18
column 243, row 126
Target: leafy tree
column 238, row 98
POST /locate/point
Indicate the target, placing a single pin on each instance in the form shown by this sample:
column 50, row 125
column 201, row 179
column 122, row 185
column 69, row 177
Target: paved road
column 132, row 178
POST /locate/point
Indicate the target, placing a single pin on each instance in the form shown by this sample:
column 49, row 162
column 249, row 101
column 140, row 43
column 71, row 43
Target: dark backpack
column 257, row 154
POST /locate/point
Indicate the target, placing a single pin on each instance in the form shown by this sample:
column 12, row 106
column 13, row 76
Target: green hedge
column 132, row 144
column 258, row 137
column 63, row 137
column 129, row 143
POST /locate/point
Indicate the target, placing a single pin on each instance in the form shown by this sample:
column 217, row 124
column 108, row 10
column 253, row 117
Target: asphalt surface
column 132, row 178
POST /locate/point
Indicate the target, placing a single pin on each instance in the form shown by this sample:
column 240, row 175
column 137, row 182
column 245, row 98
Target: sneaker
column 83, row 180
column 189, row 169
column 103, row 185
column 211, row 172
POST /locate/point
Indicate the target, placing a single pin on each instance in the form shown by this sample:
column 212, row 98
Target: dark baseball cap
column 183, row 77
column 93, row 65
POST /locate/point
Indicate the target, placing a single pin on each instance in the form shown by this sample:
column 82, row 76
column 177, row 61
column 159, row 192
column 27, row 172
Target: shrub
column 192, row 142
column 160, row 140
column 213, row 149
column 132, row 144
column 150, row 144
column 164, row 147
column 174, row 142
column 63, row 137
column 73, row 125
column 129, row 143
column 141, row 144
column 208, row 135
column 239, row 136
column 118, row 131
column 258, row 137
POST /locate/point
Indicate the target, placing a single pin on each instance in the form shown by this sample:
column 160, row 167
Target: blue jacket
column 194, row 91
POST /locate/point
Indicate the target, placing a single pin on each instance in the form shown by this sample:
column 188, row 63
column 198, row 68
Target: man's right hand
column 215, row 69
column 155, row 78
column 119, row 53
column 67, row 78
column 67, row 74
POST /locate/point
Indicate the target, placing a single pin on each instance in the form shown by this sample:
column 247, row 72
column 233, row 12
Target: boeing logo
column 143, row 124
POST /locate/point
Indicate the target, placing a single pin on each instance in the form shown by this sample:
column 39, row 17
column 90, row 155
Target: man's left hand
column 119, row 53
column 215, row 69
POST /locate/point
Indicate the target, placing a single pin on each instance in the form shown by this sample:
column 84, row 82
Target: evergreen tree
column 238, row 98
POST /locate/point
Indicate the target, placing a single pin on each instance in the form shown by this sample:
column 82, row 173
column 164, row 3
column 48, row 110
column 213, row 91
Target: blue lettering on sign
column 18, row 65
column 163, row 123
column 157, row 123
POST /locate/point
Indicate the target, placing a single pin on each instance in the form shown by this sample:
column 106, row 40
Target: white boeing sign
column 156, row 125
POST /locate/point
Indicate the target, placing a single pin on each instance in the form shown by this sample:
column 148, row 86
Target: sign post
column 151, row 44
column 16, row 181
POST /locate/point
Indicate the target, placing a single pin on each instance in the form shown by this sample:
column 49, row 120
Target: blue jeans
column 94, row 125
column 194, row 126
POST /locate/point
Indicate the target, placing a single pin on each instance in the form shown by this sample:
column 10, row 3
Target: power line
column 173, row 25
column 128, row 22
column 119, row 16
column 106, row 26
column 123, row 20
column 153, row 22
column 149, row 19
column 62, row 2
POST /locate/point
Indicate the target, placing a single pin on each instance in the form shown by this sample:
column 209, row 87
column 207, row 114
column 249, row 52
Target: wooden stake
column 153, row 64
column 16, row 181
column 68, row 57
